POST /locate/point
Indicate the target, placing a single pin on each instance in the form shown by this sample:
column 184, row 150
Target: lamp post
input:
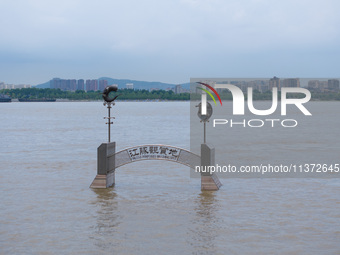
column 204, row 118
column 109, row 102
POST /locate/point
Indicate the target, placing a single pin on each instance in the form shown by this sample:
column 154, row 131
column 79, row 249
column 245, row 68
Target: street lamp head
column 206, row 117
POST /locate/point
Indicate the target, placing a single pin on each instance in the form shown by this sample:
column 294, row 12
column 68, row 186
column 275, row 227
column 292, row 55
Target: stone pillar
column 208, row 181
column 105, row 166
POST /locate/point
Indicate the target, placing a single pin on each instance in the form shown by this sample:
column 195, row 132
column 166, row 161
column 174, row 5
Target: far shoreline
column 15, row 100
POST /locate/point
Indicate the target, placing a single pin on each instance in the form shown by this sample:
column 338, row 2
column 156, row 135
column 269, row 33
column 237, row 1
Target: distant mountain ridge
column 136, row 84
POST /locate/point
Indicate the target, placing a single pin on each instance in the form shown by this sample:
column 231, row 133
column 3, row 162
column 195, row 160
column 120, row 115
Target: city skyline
column 261, row 85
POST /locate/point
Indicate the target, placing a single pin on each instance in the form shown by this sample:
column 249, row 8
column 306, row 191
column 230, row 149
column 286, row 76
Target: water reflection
column 107, row 218
column 206, row 223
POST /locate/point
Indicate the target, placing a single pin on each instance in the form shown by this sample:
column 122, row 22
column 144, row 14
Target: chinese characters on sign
column 154, row 152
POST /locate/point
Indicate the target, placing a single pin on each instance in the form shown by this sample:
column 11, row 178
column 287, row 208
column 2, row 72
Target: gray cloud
column 166, row 40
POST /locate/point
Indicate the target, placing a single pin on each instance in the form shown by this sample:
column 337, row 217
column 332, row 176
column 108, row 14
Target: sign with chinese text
column 154, row 152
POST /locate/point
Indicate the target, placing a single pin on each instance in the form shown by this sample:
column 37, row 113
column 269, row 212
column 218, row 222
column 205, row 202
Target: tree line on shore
column 124, row 94
column 130, row 94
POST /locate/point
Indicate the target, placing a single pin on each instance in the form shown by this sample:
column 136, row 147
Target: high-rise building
column 21, row 86
column 178, row 89
column 55, row 83
column 12, row 86
column 95, row 85
column 91, row 85
column 129, row 85
column 323, row 85
column 63, row 84
column 256, row 84
column 88, row 85
column 102, row 84
column 73, row 85
column 333, row 85
column 80, row 84
column 295, row 82
column 274, row 82
column 314, row 85
column 243, row 85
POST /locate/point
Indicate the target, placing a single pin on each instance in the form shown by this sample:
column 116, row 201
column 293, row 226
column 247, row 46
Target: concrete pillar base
column 105, row 166
column 102, row 181
column 210, row 182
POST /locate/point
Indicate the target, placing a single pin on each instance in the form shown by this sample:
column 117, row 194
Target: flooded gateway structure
column 108, row 160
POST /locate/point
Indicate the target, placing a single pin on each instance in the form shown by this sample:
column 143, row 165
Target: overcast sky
column 168, row 41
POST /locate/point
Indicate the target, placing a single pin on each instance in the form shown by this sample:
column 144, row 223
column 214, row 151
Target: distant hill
column 136, row 84
column 43, row 85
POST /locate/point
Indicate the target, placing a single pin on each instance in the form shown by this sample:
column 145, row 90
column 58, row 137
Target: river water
column 48, row 161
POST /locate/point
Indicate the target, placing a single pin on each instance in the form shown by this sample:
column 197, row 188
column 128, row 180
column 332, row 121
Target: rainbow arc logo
column 209, row 93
